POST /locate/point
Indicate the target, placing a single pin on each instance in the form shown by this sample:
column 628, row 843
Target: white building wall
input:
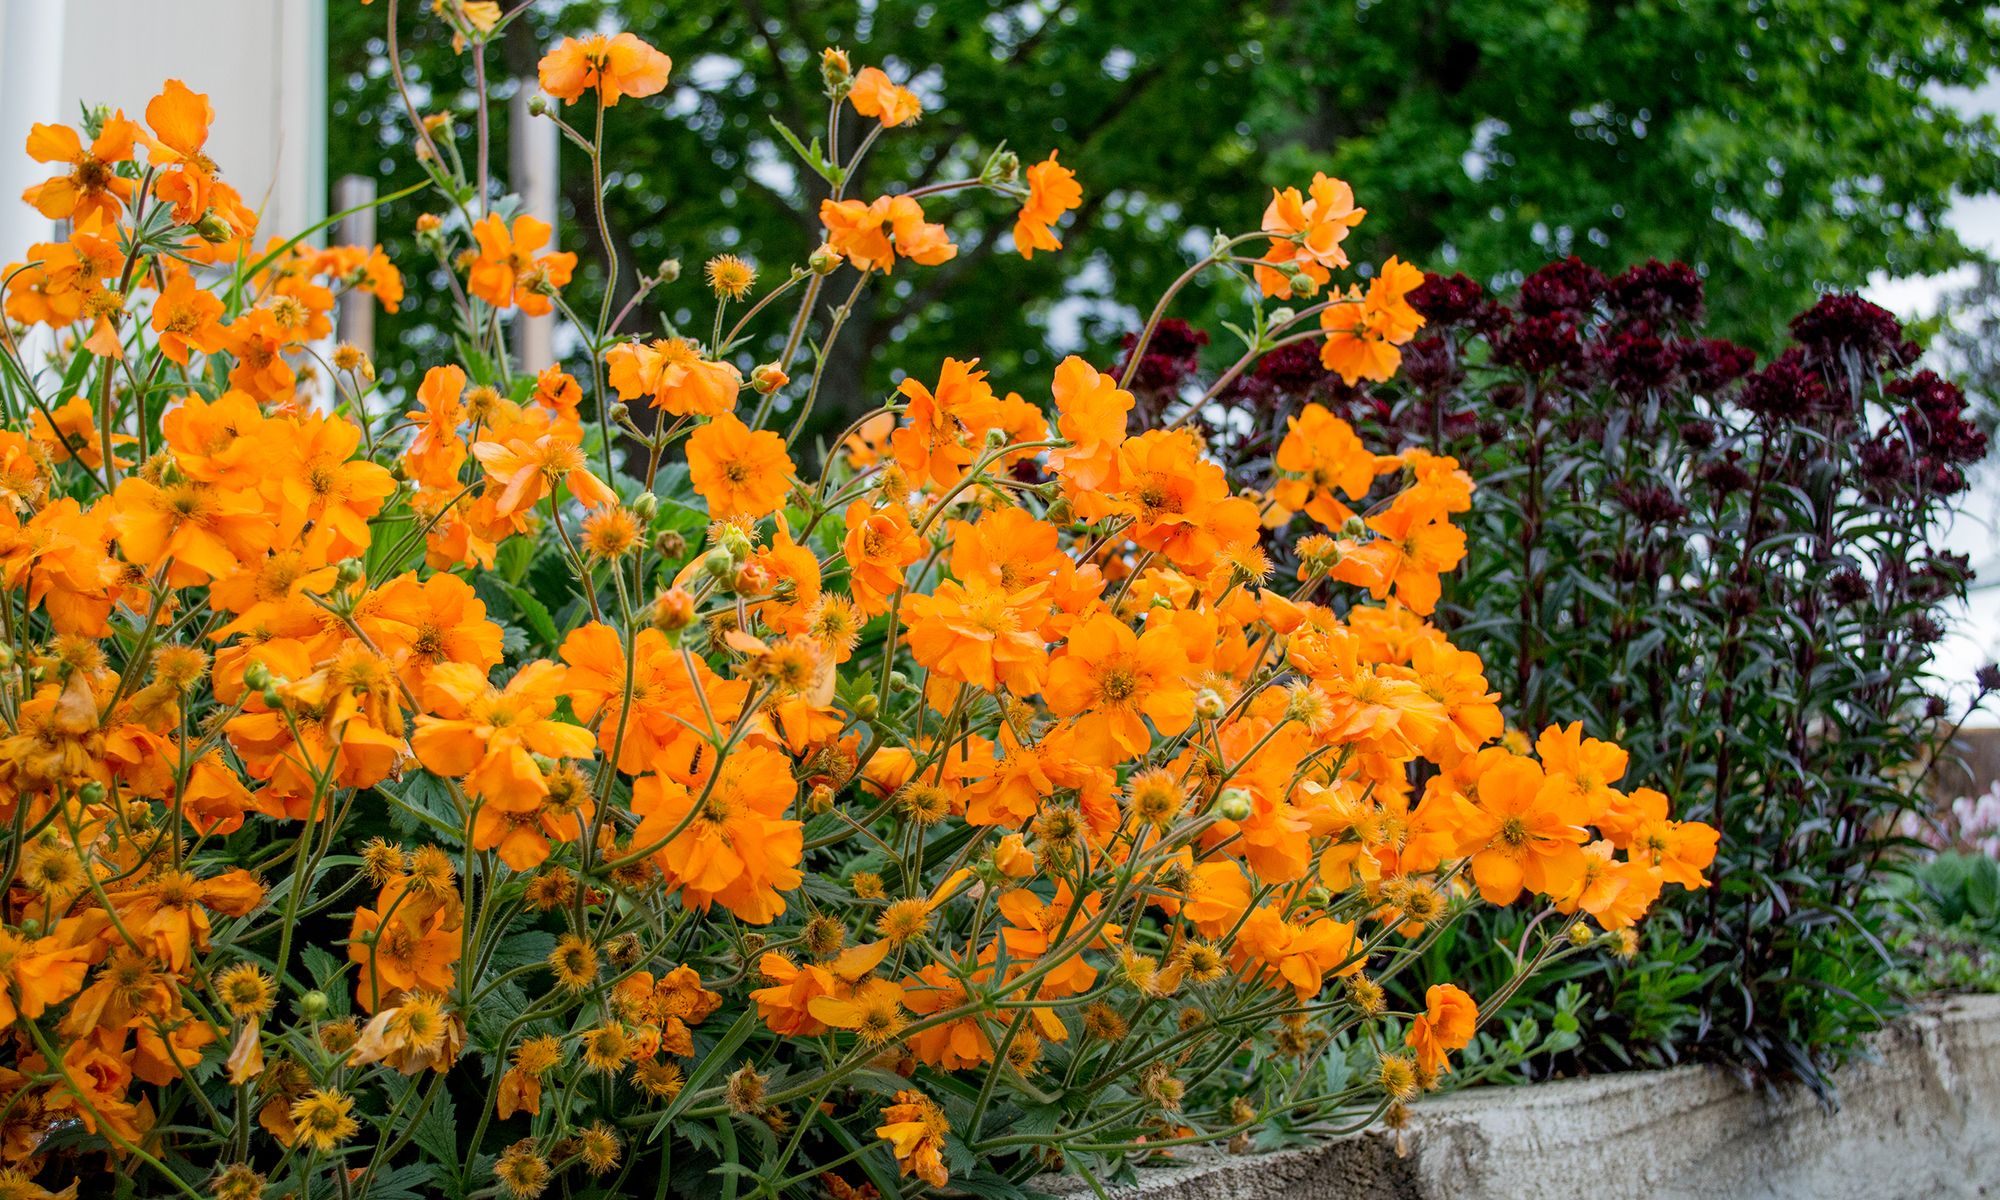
column 262, row 64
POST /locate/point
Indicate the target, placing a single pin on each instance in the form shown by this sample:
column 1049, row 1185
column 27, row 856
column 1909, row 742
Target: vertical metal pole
column 536, row 149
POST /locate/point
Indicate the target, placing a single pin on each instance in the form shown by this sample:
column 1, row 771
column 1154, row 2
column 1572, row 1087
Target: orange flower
column 880, row 546
column 1523, row 829
column 489, row 736
column 187, row 318
column 437, row 451
column 1407, row 557
column 1093, row 413
column 614, row 67
column 206, row 531
column 675, row 376
column 424, row 625
column 978, row 634
column 734, row 845
column 740, row 472
column 314, row 480
column 915, row 1128
column 528, row 472
column 1321, row 455
column 1052, row 191
column 937, row 443
column 1362, row 335
column 74, row 434
column 507, row 272
column 873, row 95
column 179, row 118
column 1108, row 676
column 1307, row 234
column 92, row 186
column 1302, row 952
column 1447, row 1023
column 862, row 232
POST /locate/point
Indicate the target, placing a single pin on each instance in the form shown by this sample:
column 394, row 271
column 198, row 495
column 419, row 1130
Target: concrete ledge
column 1921, row 1117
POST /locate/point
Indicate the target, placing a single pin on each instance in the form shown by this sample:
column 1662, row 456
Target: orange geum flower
column 979, row 634
column 881, row 547
column 204, row 530
column 1303, row 952
column 1448, row 1021
column 1321, row 456
column 1616, row 893
column 489, row 736
column 1307, row 233
column 1408, row 555
column 315, row 481
column 674, row 375
column 726, row 839
column 862, row 233
column 1363, row 335
column 935, row 445
column 614, row 67
column 1092, row 415
column 507, row 272
column 1181, row 502
column 874, row 95
column 873, row 1010
column 179, row 118
column 1592, row 765
column 1678, row 850
column 74, row 434
column 1110, row 678
column 437, row 451
column 426, row 624
column 92, row 185
column 1052, row 191
column 187, row 317
column 663, row 686
column 741, row 472
column 1523, row 829
column 38, row 974
column 528, row 472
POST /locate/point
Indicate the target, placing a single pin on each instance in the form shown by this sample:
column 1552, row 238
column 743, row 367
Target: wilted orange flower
column 614, row 67
column 915, row 1128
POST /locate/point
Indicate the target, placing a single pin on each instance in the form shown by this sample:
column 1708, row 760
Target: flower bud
column 272, row 698
column 718, row 563
column 867, row 707
column 349, row 572
column 213, row 228
column 1318, row 897
column 1283, row 315
column 673, row 610
column 539, row 106
column 671, row 545
column 824, row 260
column 736, row 543
column 646, row 506
column 1303, row 286
column 1233, row 804
column 751, row 580
column 256, row 677
column 669, row 271
column 91, row 793
column 900, row 682
column 820, row 799
column 767, row 378
column 1209, row 705
column 314, row 1005
column 835, row 71
column 1579, row 934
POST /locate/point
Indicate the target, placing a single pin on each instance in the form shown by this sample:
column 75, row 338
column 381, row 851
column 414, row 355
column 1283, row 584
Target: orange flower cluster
column 366, row 752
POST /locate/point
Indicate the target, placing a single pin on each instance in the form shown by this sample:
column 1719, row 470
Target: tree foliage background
column 1780, row 146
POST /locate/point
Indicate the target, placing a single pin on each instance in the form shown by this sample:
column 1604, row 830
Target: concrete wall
column 1921, row 1119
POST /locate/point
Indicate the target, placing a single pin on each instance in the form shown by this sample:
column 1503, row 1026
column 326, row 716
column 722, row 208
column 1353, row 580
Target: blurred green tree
column 1780, row 146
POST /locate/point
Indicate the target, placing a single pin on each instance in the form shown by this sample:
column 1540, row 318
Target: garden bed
column 1921, row 1116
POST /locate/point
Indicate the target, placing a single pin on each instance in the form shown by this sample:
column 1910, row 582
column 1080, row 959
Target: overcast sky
column 1975, row 639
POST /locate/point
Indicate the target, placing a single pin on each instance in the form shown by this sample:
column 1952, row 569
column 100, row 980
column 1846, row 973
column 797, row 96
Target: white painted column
column 536, row 147
column 31, row 77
